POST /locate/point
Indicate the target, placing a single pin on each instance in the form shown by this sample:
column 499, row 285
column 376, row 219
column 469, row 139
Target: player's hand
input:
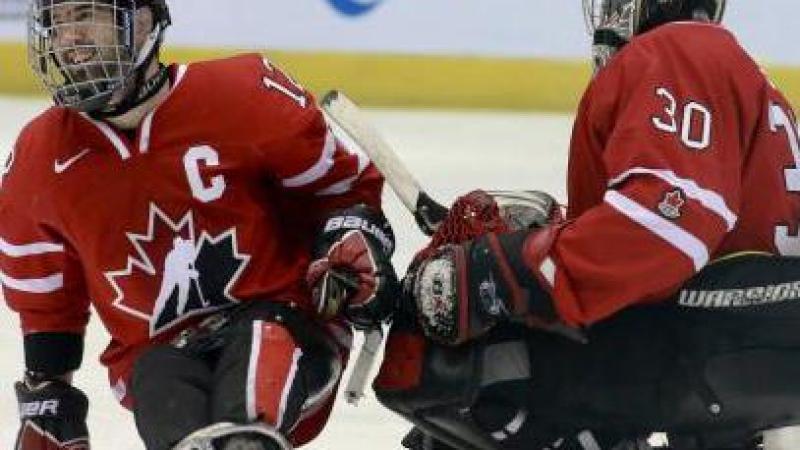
column 352, row 273
column 53, row 415
column 460, row 291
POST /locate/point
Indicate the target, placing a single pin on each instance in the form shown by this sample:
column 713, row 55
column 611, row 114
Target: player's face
column 86, row 40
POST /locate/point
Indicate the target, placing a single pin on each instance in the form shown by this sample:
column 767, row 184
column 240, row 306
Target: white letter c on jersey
column 191, row 162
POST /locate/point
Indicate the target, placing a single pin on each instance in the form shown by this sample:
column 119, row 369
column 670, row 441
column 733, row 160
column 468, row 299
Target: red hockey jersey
column 211, row 202
column 682, row 151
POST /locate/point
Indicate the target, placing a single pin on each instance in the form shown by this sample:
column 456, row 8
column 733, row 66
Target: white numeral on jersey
column 693, row 114
column 191, row 162
column 300, row 99
column 778, row 118
column 670, row 109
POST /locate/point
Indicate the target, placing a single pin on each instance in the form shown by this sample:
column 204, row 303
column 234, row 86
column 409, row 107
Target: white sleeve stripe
column 708, row 198
column 676, row 236
column 319, row 169
column 339, row 188
column 345, row 185
column 34, row 285
column 35, row 248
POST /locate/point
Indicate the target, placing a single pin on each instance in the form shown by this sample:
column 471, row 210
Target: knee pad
column 277, row 367
column 229, row 436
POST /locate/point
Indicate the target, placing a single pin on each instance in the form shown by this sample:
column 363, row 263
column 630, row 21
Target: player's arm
column 671, row 199
column 41, row 282
column 340, row 190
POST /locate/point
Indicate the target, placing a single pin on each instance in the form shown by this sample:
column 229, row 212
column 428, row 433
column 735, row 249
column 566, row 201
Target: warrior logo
column 174, row 275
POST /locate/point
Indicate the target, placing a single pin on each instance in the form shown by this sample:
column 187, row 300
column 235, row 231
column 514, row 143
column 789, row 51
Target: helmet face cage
column 612, row 23
column 82, row 51
column 620, row 16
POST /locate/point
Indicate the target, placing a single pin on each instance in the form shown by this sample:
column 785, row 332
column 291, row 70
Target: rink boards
column 410, row 81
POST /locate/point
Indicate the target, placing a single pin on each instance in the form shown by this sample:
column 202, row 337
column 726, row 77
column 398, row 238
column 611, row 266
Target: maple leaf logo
column 672, row 204
column 174, row 274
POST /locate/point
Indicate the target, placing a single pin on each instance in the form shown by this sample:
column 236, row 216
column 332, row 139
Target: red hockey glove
column 352, row 273
column 463, row 290
column 53, row 415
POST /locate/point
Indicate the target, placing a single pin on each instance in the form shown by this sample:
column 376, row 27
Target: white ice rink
column 450, row 152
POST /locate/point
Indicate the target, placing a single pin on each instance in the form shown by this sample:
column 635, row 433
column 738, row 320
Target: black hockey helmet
column 612, row 23
column 85, row 51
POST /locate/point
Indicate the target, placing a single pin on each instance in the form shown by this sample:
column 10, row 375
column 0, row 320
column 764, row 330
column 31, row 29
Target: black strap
column 53, row 354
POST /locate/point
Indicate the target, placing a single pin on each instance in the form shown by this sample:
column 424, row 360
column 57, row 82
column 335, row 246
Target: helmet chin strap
column 144, row 88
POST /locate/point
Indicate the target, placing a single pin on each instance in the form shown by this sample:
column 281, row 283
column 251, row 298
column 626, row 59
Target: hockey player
column 682, row 152
column 211, row 219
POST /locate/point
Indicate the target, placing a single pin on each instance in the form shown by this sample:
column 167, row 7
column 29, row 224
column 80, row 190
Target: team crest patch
column 672, row 204
column 176, row 272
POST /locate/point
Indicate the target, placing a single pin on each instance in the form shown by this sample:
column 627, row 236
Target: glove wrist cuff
column 371, row 223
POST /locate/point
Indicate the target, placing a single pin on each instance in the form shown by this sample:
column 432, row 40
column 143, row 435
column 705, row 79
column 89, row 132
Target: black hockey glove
column 53, row 415
column 352, row 272
column 463, row 290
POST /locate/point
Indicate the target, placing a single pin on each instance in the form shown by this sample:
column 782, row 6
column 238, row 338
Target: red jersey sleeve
column 656, row 164
column 303, row 153
column 41, row 277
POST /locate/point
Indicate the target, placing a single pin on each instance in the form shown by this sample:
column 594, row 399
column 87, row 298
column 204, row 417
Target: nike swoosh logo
column 60, row 166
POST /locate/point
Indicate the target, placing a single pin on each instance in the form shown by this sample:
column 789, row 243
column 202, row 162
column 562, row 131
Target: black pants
column 710, row 379
column 675, row 369
column 263, row 364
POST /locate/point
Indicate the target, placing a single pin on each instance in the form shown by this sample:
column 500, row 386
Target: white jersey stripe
column 706, row 197
column 112, row 136
column 35, row 248
column 319, row 169
column 339, row 188
column 146, row 129
column 287, row 388
column 676, row 236
column 345, row 185
column 252, row 370
column 44, row 285
column 147, row 123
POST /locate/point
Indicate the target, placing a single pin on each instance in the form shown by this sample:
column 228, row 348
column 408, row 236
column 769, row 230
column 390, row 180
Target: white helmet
column 612, row 23
column 84, row 52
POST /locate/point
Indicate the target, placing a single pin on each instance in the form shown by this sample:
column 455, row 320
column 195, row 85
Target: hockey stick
column 352, row 121
column 354, row 391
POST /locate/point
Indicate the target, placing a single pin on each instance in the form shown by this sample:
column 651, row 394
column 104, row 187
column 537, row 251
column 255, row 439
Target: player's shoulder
column 29, row 164
column 693, row 42
column 247, row 82
column 247, row 63
column 41, row 136
column 235, row 75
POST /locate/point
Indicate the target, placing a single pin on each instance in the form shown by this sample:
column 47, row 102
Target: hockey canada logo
column 672, row 204
column 175, row 274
